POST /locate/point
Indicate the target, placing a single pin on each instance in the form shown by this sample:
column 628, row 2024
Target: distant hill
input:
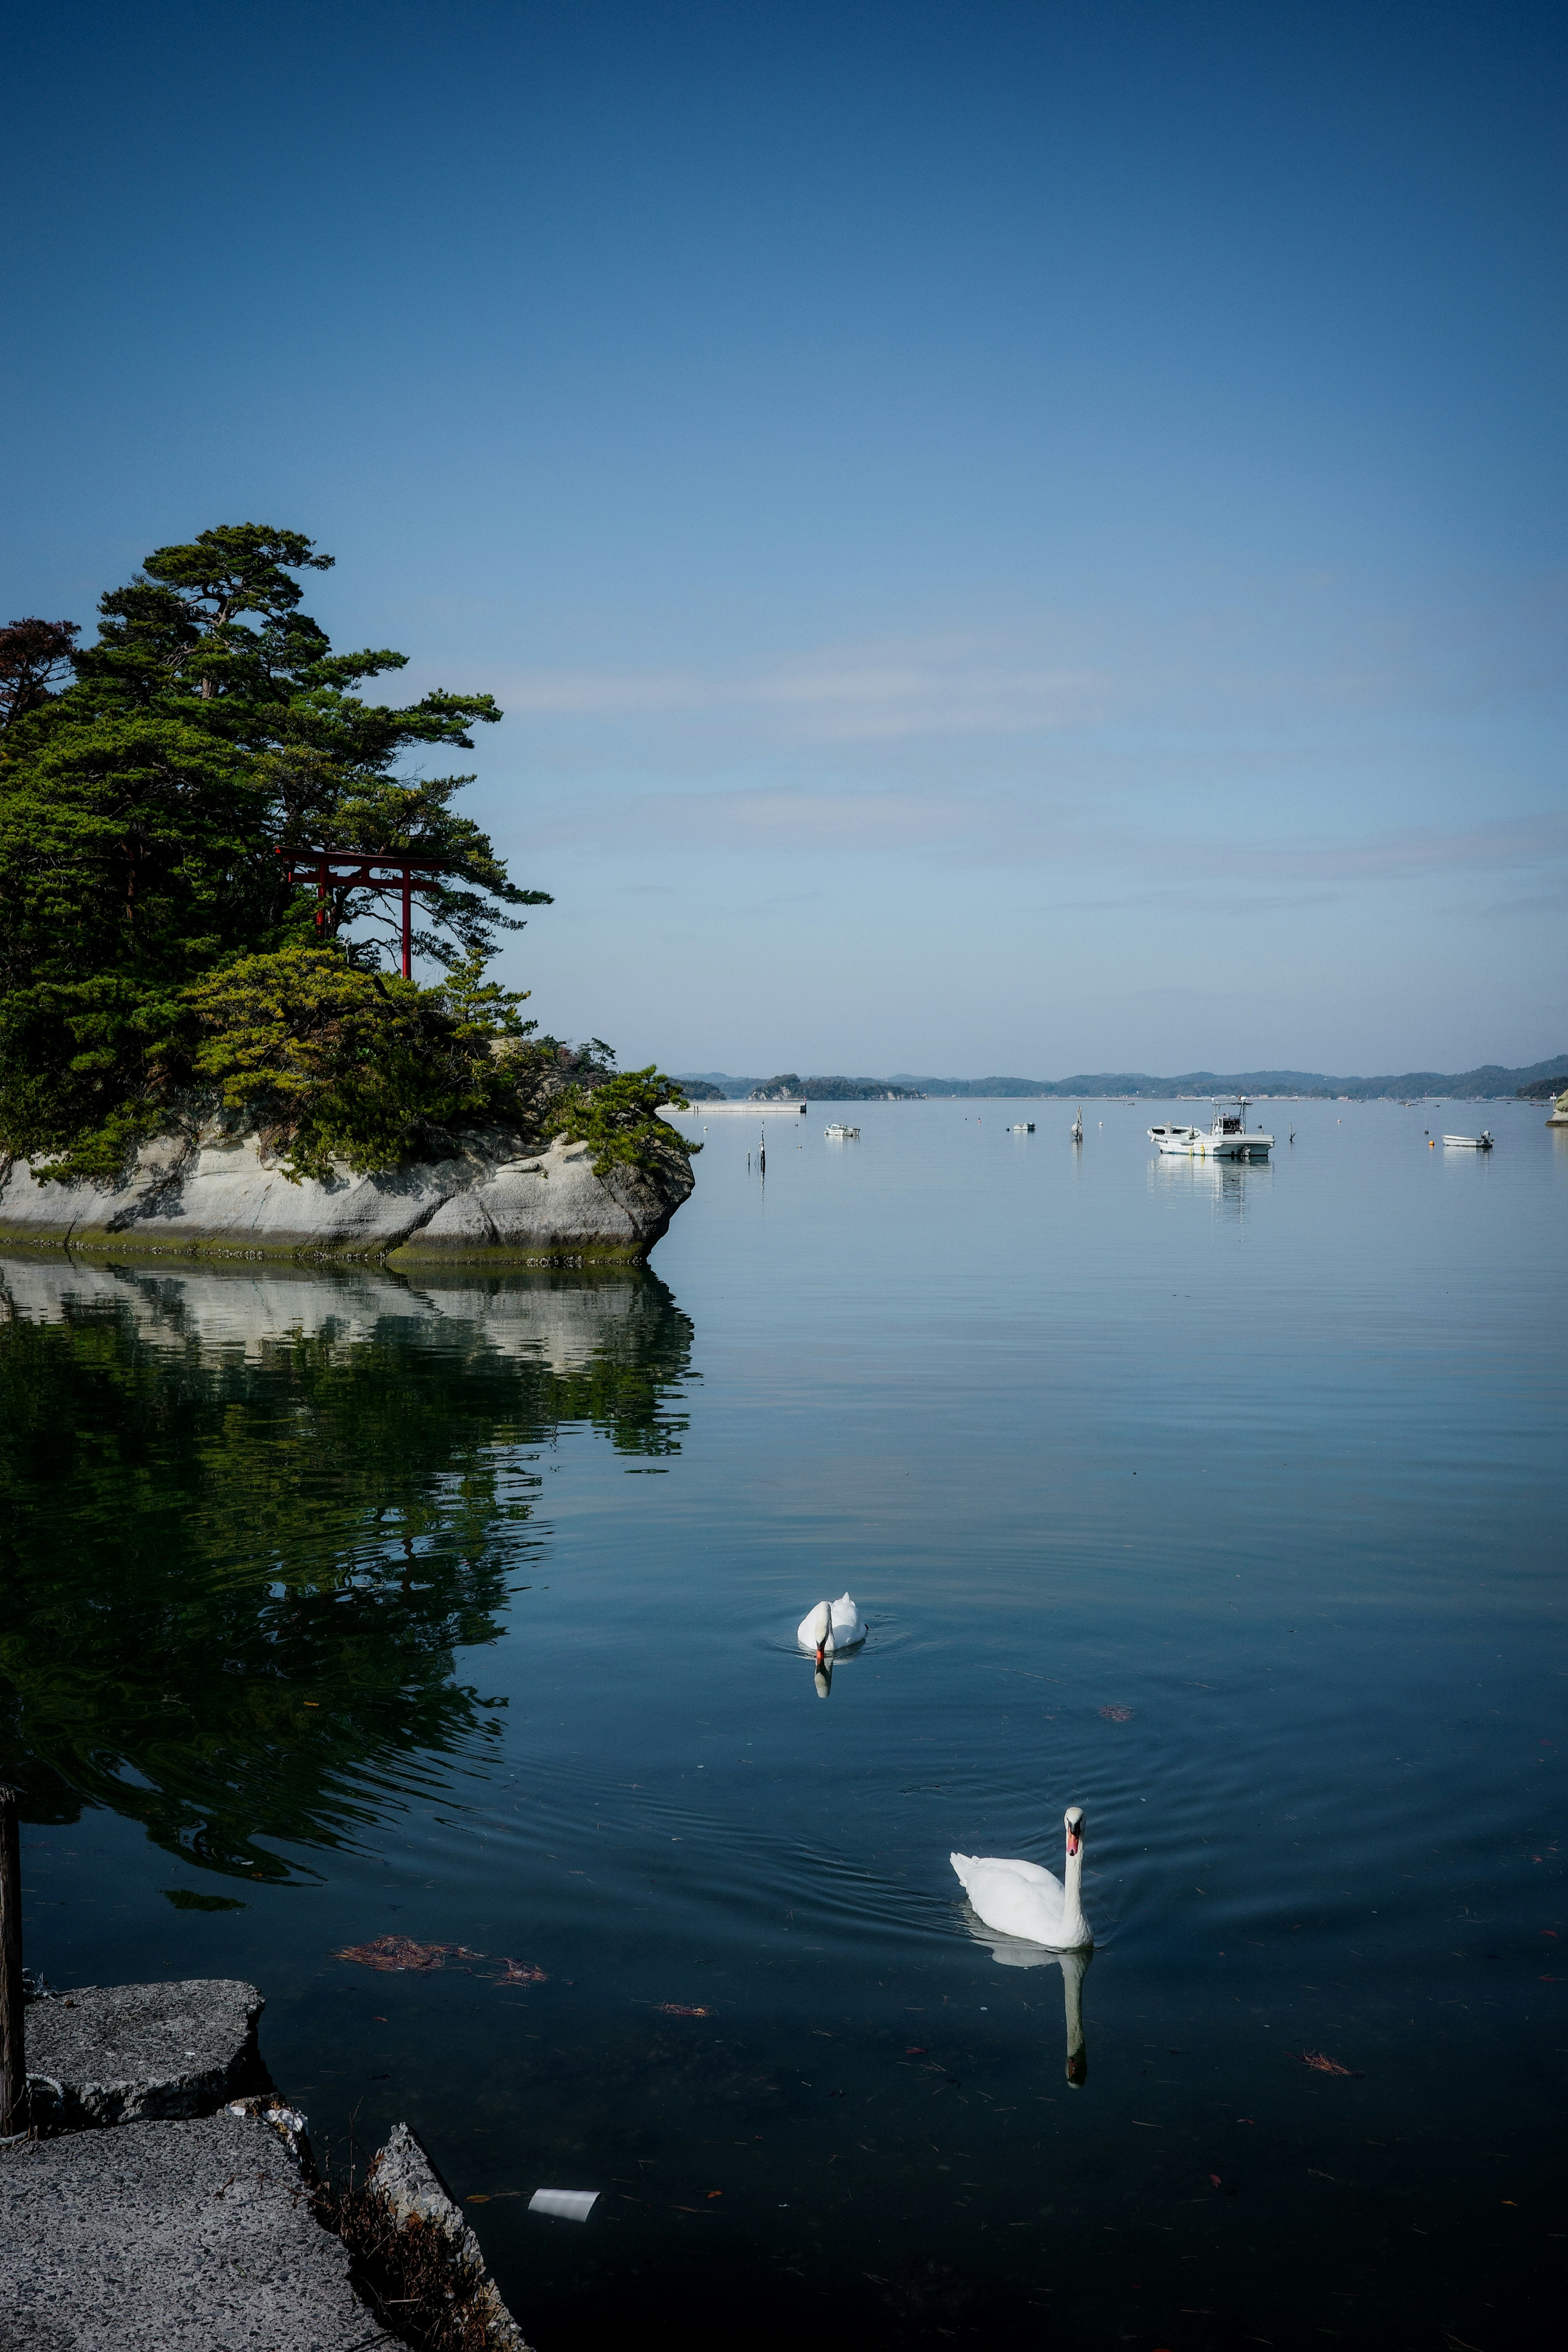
column 857, row 1090
column 788, row 1087
column 1491, row 1082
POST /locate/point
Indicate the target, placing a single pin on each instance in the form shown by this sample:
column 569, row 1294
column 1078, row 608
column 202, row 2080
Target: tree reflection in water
column 245, row 1519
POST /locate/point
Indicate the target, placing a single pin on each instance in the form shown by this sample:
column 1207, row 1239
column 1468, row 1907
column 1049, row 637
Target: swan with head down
column 1019, row 1898
column 831, row 1627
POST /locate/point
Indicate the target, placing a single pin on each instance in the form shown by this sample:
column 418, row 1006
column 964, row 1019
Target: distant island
column 788, row 1087
column 1490, row 1083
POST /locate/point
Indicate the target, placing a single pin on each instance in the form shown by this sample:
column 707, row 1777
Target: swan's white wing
column 848, row 1625
column 1028, row 1873
column 1016, row 1898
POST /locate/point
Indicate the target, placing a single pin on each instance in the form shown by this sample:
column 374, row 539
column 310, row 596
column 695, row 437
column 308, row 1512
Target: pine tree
column 148, row 812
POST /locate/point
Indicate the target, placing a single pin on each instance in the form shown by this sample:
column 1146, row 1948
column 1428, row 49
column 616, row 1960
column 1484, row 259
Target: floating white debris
column 566, row 2204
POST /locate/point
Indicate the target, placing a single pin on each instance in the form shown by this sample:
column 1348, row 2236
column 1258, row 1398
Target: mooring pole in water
column 13, row 2055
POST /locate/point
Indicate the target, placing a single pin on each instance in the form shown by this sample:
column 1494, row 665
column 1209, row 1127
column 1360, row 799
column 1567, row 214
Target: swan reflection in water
column 822, row 1671
column 823, row 1666
column 1019, row 1952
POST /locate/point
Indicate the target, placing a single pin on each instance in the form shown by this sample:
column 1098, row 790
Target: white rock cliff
column 208, row 1186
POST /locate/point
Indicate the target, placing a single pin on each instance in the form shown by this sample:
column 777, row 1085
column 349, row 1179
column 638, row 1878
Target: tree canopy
column 152, row 938
column 34, row 655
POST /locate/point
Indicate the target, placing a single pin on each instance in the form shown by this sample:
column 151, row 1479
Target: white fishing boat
column 1225, row 1139
column 1022, row 1127
column 1482, row 1142
column 840, row 1133
column 1078, row 1128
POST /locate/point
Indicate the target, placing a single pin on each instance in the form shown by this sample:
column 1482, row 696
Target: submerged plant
column 397, row 1953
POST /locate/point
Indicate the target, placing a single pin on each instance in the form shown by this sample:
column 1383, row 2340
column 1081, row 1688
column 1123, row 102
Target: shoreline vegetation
column 167, row 963
column 1537, row 1082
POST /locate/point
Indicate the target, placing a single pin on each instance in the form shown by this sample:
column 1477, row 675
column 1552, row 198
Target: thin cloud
column 991, row 828
column 1400, row 856
column 887, row 692
column 1077, row 670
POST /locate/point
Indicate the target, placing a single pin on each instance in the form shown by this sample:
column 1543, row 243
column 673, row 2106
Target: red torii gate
column 324, row 866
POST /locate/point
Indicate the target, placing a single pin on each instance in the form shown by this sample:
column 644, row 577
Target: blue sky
column 1010, row 538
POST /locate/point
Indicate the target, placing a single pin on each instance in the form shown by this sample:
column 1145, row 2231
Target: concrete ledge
column 187, row 2227
column 121, row 2053
column 170, row 2237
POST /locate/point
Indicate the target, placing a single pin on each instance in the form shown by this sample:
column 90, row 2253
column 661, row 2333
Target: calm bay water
column 1226, row 1504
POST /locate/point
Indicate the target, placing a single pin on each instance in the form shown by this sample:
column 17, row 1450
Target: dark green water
column 1229, row 1506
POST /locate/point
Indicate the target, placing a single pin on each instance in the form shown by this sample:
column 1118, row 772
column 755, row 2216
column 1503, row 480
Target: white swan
column 1019, row 1898
column 831, row 1626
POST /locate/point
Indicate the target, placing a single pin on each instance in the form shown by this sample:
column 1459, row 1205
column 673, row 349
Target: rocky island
column 211, row 1036
column 211, row 1188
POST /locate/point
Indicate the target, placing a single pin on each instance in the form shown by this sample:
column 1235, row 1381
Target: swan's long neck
column 1075, row 1928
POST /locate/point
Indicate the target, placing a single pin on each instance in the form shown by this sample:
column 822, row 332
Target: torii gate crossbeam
column 355, row 869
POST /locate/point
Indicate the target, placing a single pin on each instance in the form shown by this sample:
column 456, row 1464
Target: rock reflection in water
column 1017, row 1952
column 246, row 1518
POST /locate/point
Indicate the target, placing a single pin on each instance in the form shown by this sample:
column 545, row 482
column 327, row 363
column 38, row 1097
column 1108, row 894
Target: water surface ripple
column 1226, row 1504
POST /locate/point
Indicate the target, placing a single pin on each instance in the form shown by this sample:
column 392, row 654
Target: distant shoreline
column 1491, row 1081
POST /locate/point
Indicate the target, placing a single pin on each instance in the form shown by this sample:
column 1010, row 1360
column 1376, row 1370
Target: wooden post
column 407, row 922
column 13, row 2051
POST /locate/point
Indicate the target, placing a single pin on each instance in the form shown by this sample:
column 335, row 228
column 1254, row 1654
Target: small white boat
column 1022, row 1127
column 1227, row 1138
column 840, row 1133
column 1078, row 1128
column 1482, row 1142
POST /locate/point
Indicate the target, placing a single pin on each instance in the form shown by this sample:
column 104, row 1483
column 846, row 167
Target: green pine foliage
column 618, row 1118
column 151, row 939
column 342, row 1064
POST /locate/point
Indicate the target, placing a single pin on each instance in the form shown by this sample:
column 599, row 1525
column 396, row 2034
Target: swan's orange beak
column 820, row 1655
column 1072, row 1841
